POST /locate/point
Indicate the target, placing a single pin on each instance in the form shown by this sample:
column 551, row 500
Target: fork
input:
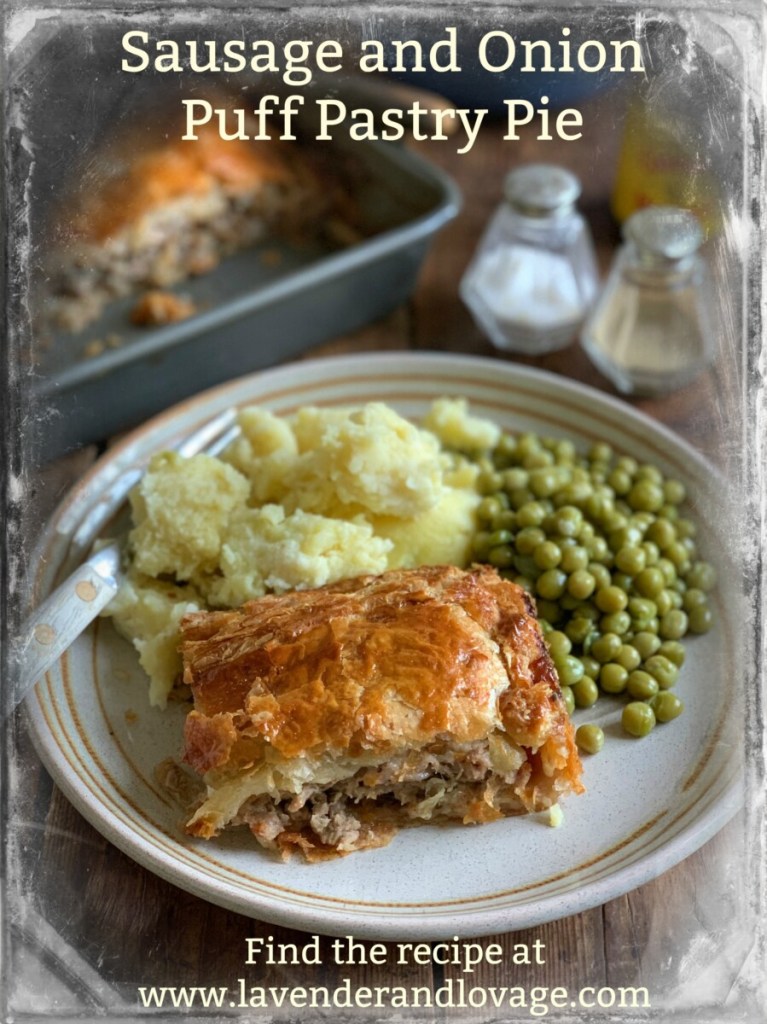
column 57, row 622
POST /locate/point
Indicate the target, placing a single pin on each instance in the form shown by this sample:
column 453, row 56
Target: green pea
column 622, row 581
column 506, row 447
column 613, row 677
column 520, row 497
column 678, row 554
column 501, row 556
column 565, row 451
column 690, row 547
column 538, row 460
column 649, row 582
column 627, row 536
column 631, row 560
column 596, row 506
column 641, row 685
column 575, row 558
column 666, row 706
column 547, row 555
column 620, row 481
column 610, row 599
column 600, row 452
column 601, row 574
column 578, row 629
column 694, row 598
column 543, row 482
column 674, row 491
column 686, row 529
column 643, row 520
column 590, row 666
column 668, row 569
column 488, row 508
column 569, row 699
column 498, row 537
column 568, row 521
column 505, row 520
column 551, row 584
column 585, row 692
column 531, row 514
column 646, row 644
column 701, row 619
column 581, row 584
column 514, row 480
column 638, row 719
column 652, row 552
column 673, row 651
column 480, row 546
column 677, row 597
column 617, row 622
column 527, row 540
column 701, row 575
column 606, row 647
column 646, row 495
column 588, row 611
column 589, row 738
column 489, row 481
column 559, row 644
column 649, row 472
column 628, row 657
column 627, row 464
column 673, row 625
column 526, row 443
column 525, row 582
column 642, row 608
column 573, row 494
column 570, row 670
column 665, row 671
column 597, row 548
column 664, row 602
column 586, row 532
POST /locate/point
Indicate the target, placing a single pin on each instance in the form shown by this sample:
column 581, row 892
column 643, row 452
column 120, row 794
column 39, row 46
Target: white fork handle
column 62, row 617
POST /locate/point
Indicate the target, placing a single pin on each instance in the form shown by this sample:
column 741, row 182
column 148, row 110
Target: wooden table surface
column 680, row 935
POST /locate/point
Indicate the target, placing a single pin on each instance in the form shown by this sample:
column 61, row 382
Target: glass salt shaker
column 651, row 330
column 533, row 277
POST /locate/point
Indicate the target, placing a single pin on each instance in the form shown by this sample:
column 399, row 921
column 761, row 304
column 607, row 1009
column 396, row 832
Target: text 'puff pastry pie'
column 326, row 719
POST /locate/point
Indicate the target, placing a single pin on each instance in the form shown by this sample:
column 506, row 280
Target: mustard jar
column 651, row 330
column 533, row 276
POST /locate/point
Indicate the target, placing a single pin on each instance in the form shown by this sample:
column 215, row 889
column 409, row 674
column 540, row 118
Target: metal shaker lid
column 664, row 232
column 541, row 190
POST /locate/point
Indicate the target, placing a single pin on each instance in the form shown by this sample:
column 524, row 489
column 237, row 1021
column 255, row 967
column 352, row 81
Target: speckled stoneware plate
column 649, row 803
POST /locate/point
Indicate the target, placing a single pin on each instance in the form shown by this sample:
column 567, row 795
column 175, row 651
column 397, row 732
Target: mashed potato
column 294, row 502
column 267, row 550
column 181, row 512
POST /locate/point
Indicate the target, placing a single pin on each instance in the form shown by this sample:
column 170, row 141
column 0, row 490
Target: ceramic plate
column 649, row 803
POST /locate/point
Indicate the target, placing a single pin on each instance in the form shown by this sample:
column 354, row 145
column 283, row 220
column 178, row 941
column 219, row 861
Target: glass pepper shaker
column 533, row 277
column 651, row 330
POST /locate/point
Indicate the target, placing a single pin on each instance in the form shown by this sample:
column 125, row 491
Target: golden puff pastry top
column 375, row 664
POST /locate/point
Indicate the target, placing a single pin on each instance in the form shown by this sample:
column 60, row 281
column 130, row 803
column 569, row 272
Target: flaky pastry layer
column 325, row 719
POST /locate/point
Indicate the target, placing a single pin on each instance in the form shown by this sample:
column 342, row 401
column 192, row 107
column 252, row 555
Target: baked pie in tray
column 327, row 719
column 151, row 214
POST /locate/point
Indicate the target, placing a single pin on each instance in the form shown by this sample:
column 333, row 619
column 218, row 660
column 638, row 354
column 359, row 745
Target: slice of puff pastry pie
column 326, row 719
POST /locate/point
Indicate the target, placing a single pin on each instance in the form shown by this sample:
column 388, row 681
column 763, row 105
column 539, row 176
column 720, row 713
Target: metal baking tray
column 257, row 308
